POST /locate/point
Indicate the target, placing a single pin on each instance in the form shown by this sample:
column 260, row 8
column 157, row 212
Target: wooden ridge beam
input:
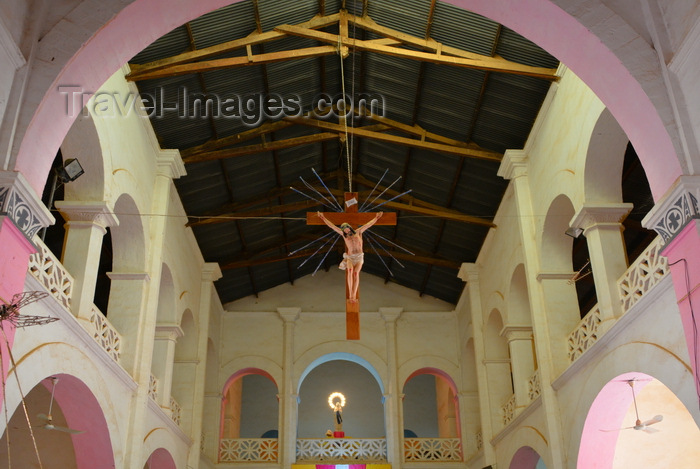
column 251, row 262
column 433, row 146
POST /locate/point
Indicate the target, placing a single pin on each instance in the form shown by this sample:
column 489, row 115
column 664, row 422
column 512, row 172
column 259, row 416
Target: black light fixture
column 573, row 231
column 68, row 172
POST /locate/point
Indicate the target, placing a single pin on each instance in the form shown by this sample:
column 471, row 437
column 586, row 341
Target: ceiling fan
column 48, row 419
column 639, row 425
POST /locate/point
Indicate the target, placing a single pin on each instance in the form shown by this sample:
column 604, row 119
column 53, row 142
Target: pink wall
column 683, row 253
column 14, row 259
column 539, row 20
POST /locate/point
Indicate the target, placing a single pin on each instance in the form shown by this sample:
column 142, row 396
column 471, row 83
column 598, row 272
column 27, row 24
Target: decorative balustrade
column 587, row 332
column 175, row 410
column 248, row 450
column 104, row 333
column 153, row 388
column 508, row 410
column 46, row 268
column 432, row 449
column 533, row 386
column 641, row 276
column 341, row 449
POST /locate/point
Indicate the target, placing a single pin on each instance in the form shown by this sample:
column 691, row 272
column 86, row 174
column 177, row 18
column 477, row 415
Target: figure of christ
column 354, row 256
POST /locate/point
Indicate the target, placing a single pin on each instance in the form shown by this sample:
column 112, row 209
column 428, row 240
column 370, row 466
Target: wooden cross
column 355, row 219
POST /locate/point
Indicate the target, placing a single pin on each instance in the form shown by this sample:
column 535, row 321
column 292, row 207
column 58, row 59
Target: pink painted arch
column 93, row 448
column 541, row 21
column 160, row 459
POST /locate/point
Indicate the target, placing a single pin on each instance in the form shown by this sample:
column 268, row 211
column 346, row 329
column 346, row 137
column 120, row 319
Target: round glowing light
column 332, row 398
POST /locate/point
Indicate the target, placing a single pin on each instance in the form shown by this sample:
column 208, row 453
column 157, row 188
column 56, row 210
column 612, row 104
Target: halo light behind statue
column 333, row 397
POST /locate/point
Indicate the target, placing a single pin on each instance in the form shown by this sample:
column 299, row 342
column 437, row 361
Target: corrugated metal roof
column 493, row 110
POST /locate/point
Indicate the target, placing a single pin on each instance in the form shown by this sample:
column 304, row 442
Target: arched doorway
column 671, row 437
column 527, row 458
column 74, row 407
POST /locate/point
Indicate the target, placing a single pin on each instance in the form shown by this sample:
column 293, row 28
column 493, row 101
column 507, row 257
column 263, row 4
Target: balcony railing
column 175, row 410
column 104, row 333
column 586, row 334
column 641, row 277
column 46, row 268
column 533, row 386
column 432, row 449
column 645, row 272
column 508, row 410
column 58, row 282
column 153, row 388
column 341, row 449
column 248, row 450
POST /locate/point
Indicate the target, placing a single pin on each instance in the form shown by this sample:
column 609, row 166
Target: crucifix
column 355, row 220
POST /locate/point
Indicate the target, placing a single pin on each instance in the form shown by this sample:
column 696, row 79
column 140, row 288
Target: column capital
column 19, row 203
column 143, row 276
column 289, row 314
column 516, row 332
column 469, row 272
column 555, row 275
column 211, row 272
column 589, row 216
column 168, row 332
column 513, row 164
column 391, row 313
column 94, row 212
column 170, row 164
column 675, row 209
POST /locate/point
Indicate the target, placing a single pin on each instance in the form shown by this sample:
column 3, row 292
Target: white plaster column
column 210, row 273
column 86, row 225
column 602, row 227
column 211, row 430
column 559, row 299
column 393, row 410
column 163, row 356
column 140, row 322
column 290, row 402
column 522, row 360
column 469, row 272
column 468, row 409
column 514, row 167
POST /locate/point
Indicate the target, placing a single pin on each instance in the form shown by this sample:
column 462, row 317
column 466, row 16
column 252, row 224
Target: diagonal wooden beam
column 416, row 130
column 433, row 146
column 466, row 59
column 218, row 64
column 197, row 154
column 261, row 147
column 258, row 213
column 264, row 199
column 235, row 139
column 419, row 207
column 255, row 38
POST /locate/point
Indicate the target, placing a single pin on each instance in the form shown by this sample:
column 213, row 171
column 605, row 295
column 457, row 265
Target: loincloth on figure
column 354, row 259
